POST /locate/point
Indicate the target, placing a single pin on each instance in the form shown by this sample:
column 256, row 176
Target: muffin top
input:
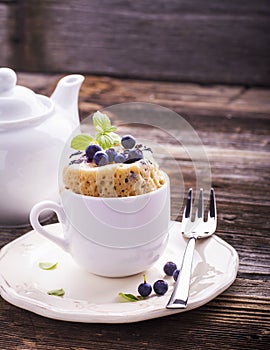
column 113, row 180
column 110, row 165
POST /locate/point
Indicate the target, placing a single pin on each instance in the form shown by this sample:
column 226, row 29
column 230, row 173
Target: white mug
column 112, row 237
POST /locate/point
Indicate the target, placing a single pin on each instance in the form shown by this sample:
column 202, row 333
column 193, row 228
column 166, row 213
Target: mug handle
column 37, row 209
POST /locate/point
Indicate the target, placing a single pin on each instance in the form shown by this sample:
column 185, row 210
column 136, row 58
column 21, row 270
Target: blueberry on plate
column 101, row 158
column 175, row 274
column 111, row 153
column 144, row 288
column 169, row 268
column 160, row 287
column 128, row 141
column 91, row 150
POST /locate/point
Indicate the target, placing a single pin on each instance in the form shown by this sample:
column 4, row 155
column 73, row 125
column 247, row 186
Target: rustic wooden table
column 233, row 124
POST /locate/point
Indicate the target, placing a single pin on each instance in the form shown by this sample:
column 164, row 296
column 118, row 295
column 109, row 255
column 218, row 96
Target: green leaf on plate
column 47, row 265
column 57, row 292
column 80, row 142
column 130, row 297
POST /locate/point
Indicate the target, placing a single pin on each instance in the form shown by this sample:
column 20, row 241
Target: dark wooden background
column 211, row 41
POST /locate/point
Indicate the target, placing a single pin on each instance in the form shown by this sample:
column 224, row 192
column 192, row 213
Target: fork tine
column 212, row 209
column 187, row 212
column 188, row 208
column 200, row 210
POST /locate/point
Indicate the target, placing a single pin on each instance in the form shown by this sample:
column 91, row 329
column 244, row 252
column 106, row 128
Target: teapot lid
column 17, row 102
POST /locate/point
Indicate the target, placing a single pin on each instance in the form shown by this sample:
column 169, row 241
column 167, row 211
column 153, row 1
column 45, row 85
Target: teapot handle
column 61, row 241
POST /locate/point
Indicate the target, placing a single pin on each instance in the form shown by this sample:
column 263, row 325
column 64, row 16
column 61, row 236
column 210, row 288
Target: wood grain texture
column 233, row 124
column 209, row 42
column 4, row 39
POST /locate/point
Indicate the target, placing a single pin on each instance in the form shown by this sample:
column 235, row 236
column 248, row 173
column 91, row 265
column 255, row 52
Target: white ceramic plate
column 90, row 298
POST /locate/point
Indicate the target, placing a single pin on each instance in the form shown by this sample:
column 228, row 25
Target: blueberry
column 134, row 155
column 175, row 274
column 120, row 158
column 128, row 141
column 91, row 150
column 169, row 268
column 160, row 287
column 144, row 288
column 101, row 158
column 111, row 153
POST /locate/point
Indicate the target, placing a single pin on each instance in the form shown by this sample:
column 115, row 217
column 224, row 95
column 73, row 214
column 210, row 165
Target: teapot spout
column 65, row 96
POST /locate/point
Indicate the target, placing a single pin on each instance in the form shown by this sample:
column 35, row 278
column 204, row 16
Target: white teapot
column 33, row 132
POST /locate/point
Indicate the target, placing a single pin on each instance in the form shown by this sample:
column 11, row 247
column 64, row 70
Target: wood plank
column 213, row 101
column 230, row 325
column 213, row 42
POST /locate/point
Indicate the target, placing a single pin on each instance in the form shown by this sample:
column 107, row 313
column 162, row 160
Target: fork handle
column 179, row 297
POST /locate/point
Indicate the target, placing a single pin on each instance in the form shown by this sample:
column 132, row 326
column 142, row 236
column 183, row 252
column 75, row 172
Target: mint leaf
column 104, row 140
column 115, row 138
column 47, row 265
column 57, row 292
column 80, row 142
column 111, row 129
column 130, row 297
column 101, row 122
column 105, row 137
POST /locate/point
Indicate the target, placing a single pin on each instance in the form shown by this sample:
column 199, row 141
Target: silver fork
column 192, row 230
